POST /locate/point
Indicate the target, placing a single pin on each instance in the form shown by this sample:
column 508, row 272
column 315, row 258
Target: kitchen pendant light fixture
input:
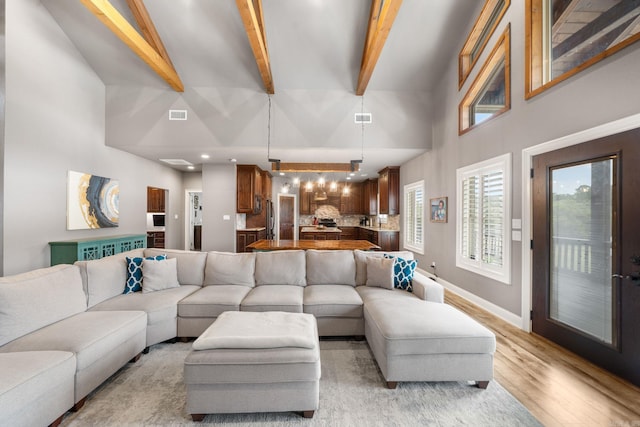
column 274, row 162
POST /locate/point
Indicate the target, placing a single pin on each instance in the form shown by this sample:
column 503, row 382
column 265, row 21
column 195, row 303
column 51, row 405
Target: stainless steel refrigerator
column 269, row 219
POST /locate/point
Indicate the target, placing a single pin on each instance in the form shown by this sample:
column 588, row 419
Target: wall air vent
column 177, row 162
column 177, row 114
column 363, row 118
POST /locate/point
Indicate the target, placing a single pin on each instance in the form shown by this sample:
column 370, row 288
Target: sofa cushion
column 274, row 298
column 332, row 301
column 33, row 300
column 89, row 335
column 331, row 267
column 226, row 268
column 403, row 271
column 211, row 301
column 281, row 268
column 159, row 274
column 370, row 293
column 105, row 278
column 159, row 306
column 190, row 264
column 134, row 273
column 361, row 262
column 380, row 272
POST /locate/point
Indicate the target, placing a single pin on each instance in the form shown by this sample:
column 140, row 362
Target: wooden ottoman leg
column 482, row 384
column 197, row 417
column 308, row 414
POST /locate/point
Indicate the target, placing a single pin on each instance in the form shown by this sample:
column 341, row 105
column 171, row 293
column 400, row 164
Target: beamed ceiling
column 355, row 47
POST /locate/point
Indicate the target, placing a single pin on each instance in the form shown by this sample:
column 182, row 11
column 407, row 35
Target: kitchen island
column 278, row 245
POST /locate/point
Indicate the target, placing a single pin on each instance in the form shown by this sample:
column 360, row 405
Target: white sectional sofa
column 78, row 316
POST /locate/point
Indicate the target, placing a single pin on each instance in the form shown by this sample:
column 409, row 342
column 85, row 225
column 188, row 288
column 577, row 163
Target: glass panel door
column 581, row 292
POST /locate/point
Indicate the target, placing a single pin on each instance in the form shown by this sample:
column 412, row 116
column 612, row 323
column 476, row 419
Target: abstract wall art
column 92, row 201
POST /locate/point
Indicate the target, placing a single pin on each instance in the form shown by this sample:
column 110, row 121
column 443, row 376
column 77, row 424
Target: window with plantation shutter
column 414, row 217
column 484, row 215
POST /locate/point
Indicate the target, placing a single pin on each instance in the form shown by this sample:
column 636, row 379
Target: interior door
column 586, row 242
column 286, row 217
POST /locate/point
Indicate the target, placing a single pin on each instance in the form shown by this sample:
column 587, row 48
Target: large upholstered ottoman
column 254, row 362
column 414, row 340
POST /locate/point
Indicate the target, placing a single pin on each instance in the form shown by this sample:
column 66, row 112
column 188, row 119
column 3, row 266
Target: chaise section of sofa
column 44, row 310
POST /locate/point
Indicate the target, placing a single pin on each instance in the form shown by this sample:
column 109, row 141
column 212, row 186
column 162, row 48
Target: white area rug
column 352, row 393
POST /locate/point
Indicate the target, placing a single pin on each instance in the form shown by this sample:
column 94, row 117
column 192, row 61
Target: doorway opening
column 193, row 223
column 156, row 217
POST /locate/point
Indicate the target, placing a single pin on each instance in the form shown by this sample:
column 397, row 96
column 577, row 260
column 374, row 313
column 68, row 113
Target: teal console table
column 70, row 251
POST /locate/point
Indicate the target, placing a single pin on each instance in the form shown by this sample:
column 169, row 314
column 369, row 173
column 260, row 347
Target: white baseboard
column 500, row 312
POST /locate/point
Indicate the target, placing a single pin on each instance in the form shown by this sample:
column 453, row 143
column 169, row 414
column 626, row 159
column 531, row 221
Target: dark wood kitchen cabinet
column 349, row 233
column 370, row 197
column 155, row 200
column 267, row 180
column 351, row 202
column 388, row 240
column 249, row 189
column 246, row 237
column 389, row 190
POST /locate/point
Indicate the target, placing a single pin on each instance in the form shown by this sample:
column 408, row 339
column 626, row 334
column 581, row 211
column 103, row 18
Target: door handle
column 634, row 277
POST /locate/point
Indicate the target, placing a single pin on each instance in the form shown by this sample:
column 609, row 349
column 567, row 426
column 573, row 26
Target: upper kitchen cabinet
column 155, row 200
column 267, row 191
column 370, row 197
column 351, row 201
column 249, row 189
column 389, row 190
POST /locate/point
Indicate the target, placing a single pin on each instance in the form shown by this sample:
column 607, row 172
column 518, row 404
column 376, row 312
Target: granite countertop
column 252, row 229
column 314, row 229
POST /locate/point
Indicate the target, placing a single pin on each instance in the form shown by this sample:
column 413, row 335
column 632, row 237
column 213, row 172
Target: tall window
column 483, row 244
column 414, row 217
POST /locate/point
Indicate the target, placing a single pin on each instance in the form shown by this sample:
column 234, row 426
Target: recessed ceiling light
column 348, row 177
column 205, row 156
column 352, row 174
column 364, row 174
column 281, row 173
column 233, row 160
column 191, row 167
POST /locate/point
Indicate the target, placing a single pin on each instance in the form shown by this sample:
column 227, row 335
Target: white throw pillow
column 380, row 272
column 159, row 275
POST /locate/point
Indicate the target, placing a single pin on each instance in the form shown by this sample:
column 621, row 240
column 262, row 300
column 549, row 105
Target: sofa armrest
column 427, row 289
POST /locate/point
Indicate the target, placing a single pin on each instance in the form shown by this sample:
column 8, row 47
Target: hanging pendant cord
column 269, row 131
column 362, row 125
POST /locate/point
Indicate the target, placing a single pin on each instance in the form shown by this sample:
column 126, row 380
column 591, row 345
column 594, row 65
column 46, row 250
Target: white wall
column 605, row 92
column 55, row 122
column 218, row 201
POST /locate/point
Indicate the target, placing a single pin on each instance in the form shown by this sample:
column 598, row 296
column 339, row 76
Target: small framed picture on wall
column 439, row 207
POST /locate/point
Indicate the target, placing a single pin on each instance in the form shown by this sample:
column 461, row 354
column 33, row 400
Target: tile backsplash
column 393, row 221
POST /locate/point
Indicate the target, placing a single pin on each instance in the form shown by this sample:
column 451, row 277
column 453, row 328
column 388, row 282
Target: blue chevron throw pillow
column 403, row 270
column 134, row 273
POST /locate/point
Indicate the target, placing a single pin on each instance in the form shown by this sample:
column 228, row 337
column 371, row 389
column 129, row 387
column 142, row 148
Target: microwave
column 158, row 220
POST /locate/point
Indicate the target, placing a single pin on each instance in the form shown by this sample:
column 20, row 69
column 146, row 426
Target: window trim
column 502, row 50
column 412, row 246
column 535, row 58
column 465, row 64
column 503, row 273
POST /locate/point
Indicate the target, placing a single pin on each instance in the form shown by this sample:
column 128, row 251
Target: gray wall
column 55, row 122
column 218, row 201
column 605, row 92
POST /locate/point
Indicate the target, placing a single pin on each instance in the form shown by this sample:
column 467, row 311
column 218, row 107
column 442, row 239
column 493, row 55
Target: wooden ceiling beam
column 383, row 13
column 148, row 28
column 315, row 167
column 253, row 20
column 114, row 20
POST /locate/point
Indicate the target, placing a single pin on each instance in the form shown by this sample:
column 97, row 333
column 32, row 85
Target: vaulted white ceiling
column 314, row 45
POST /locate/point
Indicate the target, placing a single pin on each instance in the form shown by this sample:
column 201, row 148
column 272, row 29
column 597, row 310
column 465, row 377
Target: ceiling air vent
column 177, row 114
column 363, row 118
column 177, row 162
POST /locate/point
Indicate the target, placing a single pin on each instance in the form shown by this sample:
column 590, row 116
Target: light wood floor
column 557, row 386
